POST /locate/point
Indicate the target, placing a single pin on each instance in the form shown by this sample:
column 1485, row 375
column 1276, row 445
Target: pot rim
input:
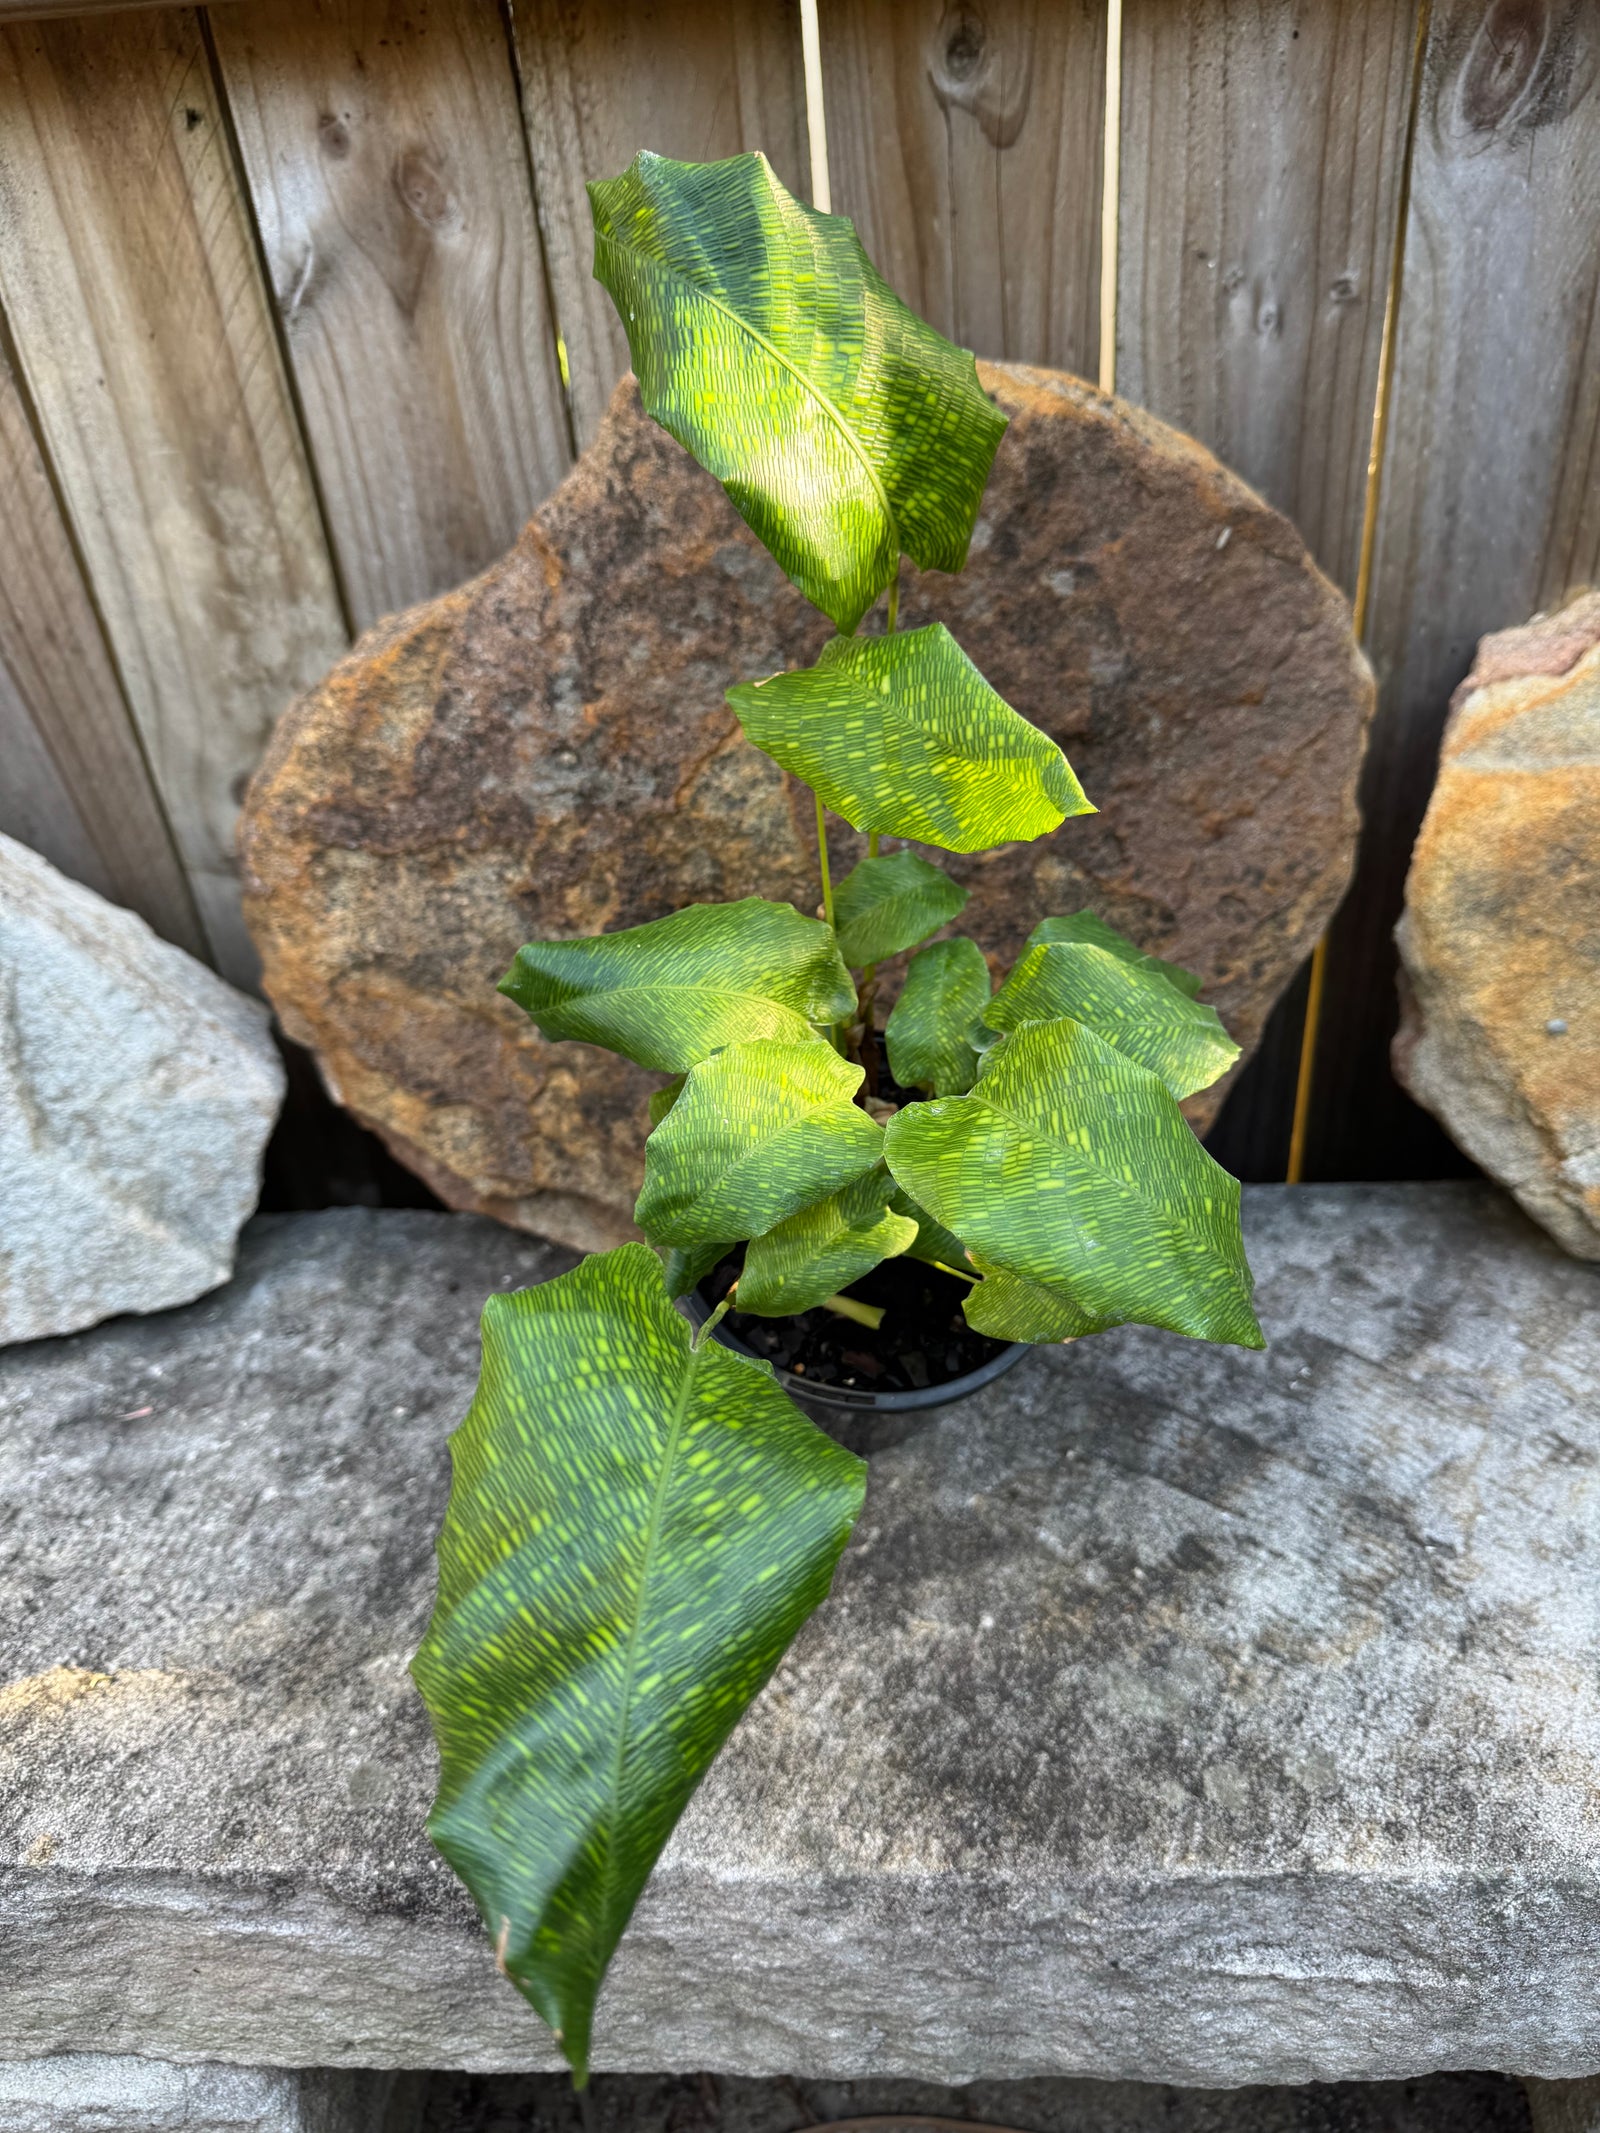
column 846, row 1397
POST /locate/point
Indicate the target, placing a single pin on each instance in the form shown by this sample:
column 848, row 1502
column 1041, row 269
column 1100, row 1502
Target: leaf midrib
column 784, row 363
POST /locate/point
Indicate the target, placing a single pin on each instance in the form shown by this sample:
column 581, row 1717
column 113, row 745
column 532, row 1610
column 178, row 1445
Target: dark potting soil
column 924, row 1339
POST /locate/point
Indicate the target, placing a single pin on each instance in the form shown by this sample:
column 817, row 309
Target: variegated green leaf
column 669, row 993
column 929, row 1034
column 637, row 1527
column 903, row 734
column 1008, row 1308
column 1071, row 1166
column 1092, row 932
column 844, row 429
column 821, row 1250
column 889, row 903
column 933, row 1243
column 760, row 1131
column 1130, row 1004
column 685, row 1270
column 662, row 1100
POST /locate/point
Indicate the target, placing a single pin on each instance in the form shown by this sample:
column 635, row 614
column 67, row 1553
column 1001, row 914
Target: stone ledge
column 1179, row 1714
column 85, row 2092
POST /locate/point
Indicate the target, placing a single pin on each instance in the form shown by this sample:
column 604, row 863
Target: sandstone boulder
column 137, row 1091
column 547, row 751
column 1500, row 941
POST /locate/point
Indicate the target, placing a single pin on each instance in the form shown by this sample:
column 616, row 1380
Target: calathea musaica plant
column 640, row 1519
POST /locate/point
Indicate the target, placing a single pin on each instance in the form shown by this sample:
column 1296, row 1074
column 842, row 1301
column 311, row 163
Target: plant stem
column 943, row 1269
column 822, row 860
column 868, row 1315
column 872, row 844
column 704, row 1332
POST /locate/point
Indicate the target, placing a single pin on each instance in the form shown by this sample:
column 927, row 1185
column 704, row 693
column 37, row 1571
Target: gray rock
column 1179, row 1714
column 137, row 1091
column 83, row 2092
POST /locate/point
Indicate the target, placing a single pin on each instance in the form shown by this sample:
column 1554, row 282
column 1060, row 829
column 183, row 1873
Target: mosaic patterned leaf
column 683, row 1271
column 843, row 428
column 903, row 734
column 1130, row 1004
column 760, row 1131
column 1008, row 1308
column 929, row 1031
column 889, row 903
column 669, row 993
column 1072, row 1167
column 636, row 1530
column 1095, row 933
column 821, row 1250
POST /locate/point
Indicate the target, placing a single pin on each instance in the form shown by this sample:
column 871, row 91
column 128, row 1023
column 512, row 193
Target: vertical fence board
column 1262, row 143
column 384, row 151
column 131, row 281
column 1489, row 504
column 967, row 144
column 605, row 78
column 1262, row 149
column 73, row 783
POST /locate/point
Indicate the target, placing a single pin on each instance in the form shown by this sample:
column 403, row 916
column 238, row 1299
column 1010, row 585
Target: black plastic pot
column 853, row 1398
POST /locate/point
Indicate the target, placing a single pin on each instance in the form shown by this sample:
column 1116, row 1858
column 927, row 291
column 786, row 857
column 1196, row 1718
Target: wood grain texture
column 602, row 79
column 1262, row 145
column 966, row 142
column 383, row 145
column 1491, row 483
column 73, row 783
column 129, row 274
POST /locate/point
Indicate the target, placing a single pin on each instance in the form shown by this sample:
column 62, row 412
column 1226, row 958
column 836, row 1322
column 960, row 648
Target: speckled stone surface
column 1179, row 1714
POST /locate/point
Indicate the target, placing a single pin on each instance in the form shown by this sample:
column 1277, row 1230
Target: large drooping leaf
column 636, row 1530
column 821, row 1250
column 1008, row 1308
column 1071, row 1167
column 685, row 1270
column 902, row 734
column 669, row 993
column 929, row 1030
column 844, row 429
column 760, row 1131
column 1095, row 933
column 889, row 903
column 1130, row 1004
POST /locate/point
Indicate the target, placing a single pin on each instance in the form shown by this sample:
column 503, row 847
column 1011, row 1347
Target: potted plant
column 640, row 1519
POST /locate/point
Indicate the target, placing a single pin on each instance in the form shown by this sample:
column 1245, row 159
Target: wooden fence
column 296, row 326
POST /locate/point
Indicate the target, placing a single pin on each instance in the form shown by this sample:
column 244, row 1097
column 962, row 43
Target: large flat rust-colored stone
column 547, row 751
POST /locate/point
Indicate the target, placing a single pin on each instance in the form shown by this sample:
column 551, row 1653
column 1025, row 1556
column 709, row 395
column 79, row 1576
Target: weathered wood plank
column 383, row 145
column 128, row 271
column 1490, row 504
column 604, row 78
column 1262, row 149
column 73, row 783
column 967, row 145
column 1262, row 144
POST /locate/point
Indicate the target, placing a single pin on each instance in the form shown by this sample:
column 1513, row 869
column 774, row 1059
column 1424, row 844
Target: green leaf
column 1095, row 933
column 821, row 1250
column 843, row 428
column 889, row 903
column 760, row 1131
column 636, row 1530
column 669, row 993
column 685, row 1270
column 903, row 734
column 1071, row 1166
column 1008, row 1308
column 1131, row 1005
column 929, row 1031
column 933, row 1243
column 662, row 1100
